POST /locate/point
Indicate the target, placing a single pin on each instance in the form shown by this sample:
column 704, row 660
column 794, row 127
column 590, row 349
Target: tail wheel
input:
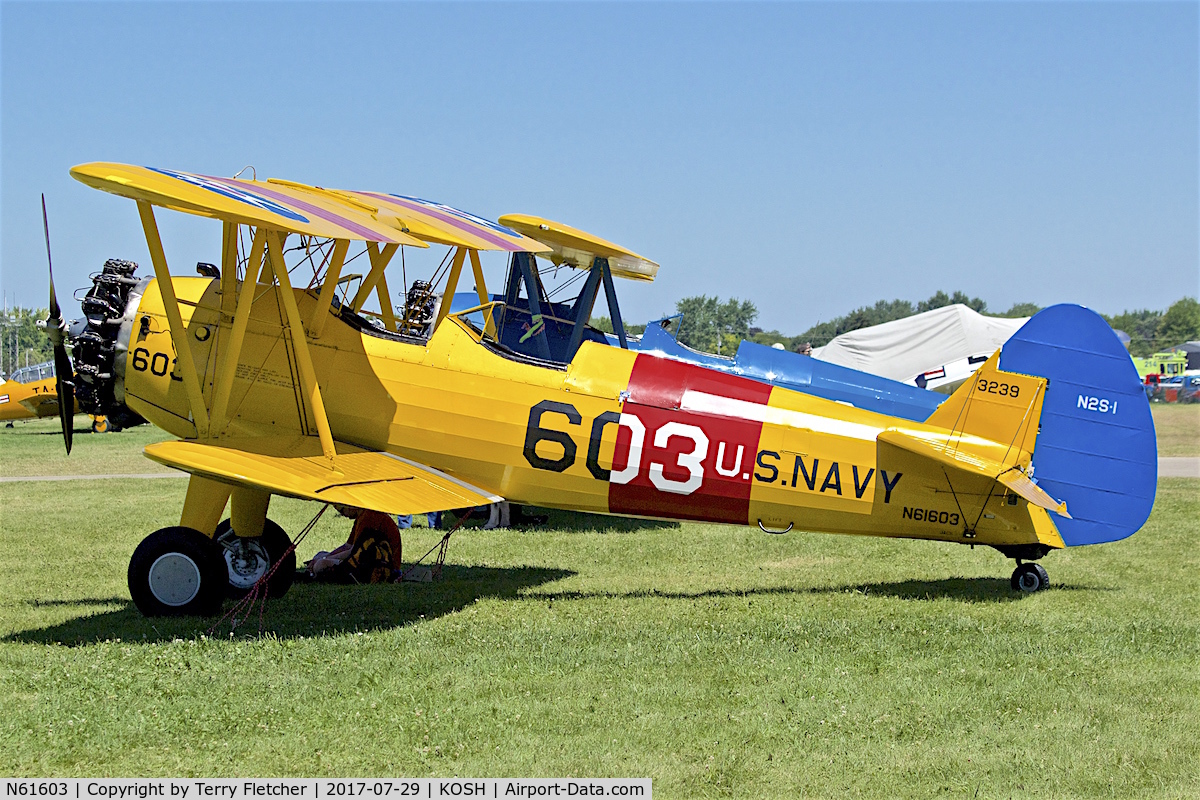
column 100, row 425
column 176, row 572
column 248, row 559
column 1030, row 577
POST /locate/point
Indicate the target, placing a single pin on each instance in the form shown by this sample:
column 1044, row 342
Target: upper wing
column 278, row 206
column 294, row 467
column 578, row 248
column 435, row 222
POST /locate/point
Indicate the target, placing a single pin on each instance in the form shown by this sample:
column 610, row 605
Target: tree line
column 22, row 342
column 713, row 325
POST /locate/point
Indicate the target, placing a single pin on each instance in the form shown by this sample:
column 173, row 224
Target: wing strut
column 329, row 289
column 611, row 294
column 489, row 326
column 381, row 288
column 583, row 308
column 460, row 255
column 379, row 262
column 229, row 250
column 183, row 350
column 231, row 352
column 308, row 375
column 537, row 328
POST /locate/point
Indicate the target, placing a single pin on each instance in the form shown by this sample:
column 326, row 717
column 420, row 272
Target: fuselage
column 28, row 400
column 611, row 432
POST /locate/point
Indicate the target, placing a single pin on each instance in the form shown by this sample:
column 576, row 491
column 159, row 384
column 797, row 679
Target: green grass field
column 719, row 661
column 1177, row 428
column 35, row 448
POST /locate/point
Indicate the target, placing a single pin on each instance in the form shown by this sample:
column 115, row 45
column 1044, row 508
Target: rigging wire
column 578, row 276
column 259, row 592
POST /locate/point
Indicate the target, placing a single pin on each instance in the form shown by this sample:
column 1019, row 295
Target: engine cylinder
column 93, row 342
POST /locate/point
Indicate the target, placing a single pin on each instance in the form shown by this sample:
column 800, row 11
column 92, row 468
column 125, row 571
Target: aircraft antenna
column 253, row 174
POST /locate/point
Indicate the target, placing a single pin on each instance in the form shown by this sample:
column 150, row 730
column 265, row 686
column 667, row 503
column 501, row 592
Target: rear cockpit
column 530, row 321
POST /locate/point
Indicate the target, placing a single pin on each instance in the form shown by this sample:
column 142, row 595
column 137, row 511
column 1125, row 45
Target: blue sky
column 810, row 157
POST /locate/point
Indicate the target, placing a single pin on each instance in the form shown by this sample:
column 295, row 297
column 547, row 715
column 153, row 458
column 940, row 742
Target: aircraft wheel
column 247, row 559
column 100, row 425
column 176, row 572
column 1030, row 577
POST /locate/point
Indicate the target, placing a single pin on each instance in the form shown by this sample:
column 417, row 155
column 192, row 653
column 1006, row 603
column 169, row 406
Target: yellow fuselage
column 28, row 400
column 612, row 432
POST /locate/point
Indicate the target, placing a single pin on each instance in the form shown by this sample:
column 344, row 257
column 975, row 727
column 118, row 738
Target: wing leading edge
column 295, row 467
column 275, row 205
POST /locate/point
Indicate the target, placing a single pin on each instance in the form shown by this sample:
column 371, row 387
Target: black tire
column 246, row 562
column 177, row 572
column 1030, row 578
column 101, row 425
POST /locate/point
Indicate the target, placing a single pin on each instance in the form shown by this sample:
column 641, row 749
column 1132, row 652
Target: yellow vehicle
column 276, row 385
column 32, row 393
column 29, row 393
column 1165, row 365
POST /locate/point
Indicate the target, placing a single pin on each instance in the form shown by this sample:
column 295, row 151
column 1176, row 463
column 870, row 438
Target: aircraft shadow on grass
column 312, row 610
column 966, row 590
column 581, row 522
column 308, row 610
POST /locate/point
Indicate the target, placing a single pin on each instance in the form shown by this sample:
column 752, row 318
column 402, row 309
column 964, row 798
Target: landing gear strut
column 1029, row 577
column 249, row 559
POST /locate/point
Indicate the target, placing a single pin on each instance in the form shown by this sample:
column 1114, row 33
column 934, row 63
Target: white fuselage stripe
column 704, row 403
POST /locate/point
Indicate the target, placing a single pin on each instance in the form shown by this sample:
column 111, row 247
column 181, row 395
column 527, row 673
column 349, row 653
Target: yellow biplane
column 278, row 384
column 32, row 393
column 29, row 393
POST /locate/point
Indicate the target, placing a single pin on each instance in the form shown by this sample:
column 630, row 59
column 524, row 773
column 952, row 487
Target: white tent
column 939, row 348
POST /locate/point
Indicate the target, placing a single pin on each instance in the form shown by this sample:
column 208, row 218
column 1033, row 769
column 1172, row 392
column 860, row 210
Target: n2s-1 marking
column 1101, row 405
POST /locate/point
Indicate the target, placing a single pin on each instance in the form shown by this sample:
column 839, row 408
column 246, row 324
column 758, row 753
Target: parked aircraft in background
column 29, row 393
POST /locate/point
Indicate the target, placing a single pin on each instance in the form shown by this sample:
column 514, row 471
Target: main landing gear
column 248, row 559
column 1029, row 577
column 179, row 571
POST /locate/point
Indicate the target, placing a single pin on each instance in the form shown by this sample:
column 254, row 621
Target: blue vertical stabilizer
column 1096, row 449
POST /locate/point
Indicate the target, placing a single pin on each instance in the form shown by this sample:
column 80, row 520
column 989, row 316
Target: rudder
column 1096, row 447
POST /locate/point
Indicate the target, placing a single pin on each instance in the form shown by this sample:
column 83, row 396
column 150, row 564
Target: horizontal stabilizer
column 1020, row 483
column 293, row 466
column 944, row 451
